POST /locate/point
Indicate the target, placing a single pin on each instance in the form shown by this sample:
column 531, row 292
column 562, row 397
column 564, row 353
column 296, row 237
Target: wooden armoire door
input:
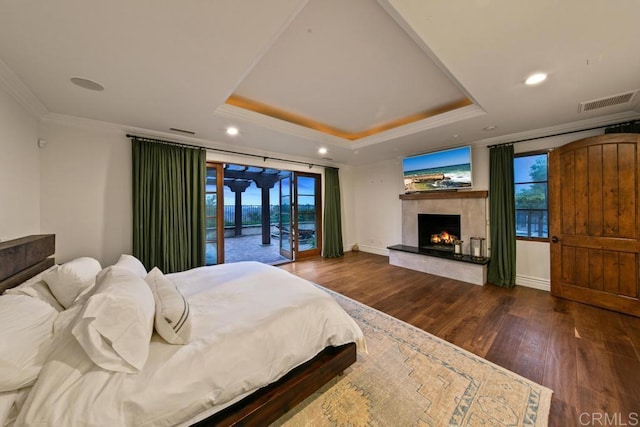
column 593, row 221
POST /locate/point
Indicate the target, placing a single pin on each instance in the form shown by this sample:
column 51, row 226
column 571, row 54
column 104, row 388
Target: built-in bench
column 440, row 263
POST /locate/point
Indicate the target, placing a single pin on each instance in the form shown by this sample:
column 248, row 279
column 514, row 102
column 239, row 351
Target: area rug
column 412, row 378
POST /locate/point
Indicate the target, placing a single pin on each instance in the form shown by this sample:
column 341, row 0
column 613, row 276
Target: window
column 530, row 178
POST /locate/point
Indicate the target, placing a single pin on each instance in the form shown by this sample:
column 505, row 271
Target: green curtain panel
column 332, row 246
column 502, row 268
column 168, row 205
column 629, row 127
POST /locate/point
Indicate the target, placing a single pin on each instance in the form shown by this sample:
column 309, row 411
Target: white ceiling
column 352, row 64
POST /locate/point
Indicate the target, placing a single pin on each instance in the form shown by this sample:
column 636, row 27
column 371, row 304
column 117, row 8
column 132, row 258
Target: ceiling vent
column 187, row 132
column 609, row 101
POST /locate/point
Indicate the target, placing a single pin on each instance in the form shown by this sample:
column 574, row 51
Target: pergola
column 238, row 178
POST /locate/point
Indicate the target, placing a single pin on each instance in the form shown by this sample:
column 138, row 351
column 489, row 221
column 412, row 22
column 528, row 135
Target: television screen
column 440, row 170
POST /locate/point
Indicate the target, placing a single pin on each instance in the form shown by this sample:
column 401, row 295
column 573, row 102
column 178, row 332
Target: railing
column 252, row 214
column 532, row 223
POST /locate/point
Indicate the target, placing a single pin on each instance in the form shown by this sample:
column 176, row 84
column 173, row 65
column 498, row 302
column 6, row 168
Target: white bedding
column 251, row 324
column 10, row 404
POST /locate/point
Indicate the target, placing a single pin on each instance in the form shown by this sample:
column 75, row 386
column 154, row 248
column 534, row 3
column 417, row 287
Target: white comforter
column 251, row 323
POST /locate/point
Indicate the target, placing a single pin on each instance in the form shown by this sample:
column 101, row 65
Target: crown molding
column 236, row 113
column 559, row 129
column 12, row 84
column 464, row 113
column 121, row 129
column 232, row 112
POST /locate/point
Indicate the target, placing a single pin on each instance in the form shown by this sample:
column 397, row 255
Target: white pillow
column 173, row 320
column 36, row 288
column 70, row 279
column 26, row 332
column 116, row 323
column 132, row 263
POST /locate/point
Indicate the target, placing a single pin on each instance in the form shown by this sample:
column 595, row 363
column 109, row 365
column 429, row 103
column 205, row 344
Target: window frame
column 529, row 154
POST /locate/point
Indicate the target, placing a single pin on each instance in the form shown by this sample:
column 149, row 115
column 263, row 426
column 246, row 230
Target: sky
column 521, row 167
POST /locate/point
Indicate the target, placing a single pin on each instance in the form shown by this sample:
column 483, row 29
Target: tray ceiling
column 367, row 80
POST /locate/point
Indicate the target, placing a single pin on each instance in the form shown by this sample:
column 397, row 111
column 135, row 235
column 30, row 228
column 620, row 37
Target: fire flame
column 443, row 238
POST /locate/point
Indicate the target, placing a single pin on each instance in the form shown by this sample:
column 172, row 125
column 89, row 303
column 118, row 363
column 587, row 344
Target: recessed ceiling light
column 489, row 128
column 86, row 83
column 536, row 78
column 322, row 150
column 232, row 130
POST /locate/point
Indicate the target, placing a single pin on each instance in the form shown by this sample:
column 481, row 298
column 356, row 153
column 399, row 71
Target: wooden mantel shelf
column 480, row 194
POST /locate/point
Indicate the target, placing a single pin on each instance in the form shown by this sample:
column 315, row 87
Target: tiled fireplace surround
column 472, row 208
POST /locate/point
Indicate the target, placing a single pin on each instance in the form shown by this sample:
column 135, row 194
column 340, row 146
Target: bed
column 240, row 315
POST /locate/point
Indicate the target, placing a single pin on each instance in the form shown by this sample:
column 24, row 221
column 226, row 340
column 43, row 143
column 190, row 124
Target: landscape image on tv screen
column 441, row 170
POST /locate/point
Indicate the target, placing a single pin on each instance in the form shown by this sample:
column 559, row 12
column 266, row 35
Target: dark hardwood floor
column 588, row 356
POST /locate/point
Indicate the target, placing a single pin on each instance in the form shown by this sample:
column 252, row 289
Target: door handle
column 554, row 239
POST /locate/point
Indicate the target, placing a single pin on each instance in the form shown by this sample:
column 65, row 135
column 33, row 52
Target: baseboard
column 374, row 250
column 533, row 282
column 521, row 280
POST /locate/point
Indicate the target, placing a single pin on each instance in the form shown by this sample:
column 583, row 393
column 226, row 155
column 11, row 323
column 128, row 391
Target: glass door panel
column 214, row 240
column 307, row 213
column 286, row 223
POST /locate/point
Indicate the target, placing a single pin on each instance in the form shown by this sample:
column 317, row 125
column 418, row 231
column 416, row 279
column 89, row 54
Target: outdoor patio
column 249, row 248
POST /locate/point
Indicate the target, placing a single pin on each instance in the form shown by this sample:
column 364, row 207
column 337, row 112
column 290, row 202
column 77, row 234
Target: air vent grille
column 624, row 98
column 188, row 132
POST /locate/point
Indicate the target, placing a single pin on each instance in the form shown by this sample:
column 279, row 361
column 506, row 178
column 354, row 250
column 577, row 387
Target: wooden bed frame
column 23, row 258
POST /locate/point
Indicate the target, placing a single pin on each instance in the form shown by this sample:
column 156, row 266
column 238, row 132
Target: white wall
column 85, row 187
column 19, row 171
column 86, row 191
column 348, row 201
column 378, row 208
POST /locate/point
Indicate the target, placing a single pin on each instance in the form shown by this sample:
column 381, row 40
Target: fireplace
column 436, row 231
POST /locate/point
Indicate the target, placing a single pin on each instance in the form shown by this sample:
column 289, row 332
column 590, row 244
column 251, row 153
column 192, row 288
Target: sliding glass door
column 214, row 240
column 292, row 216
column 286, row 225
column 307, row 211
column 300, row 218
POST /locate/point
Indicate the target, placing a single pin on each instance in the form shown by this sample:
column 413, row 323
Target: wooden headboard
column 23, row 258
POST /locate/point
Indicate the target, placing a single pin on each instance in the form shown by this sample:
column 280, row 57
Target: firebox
column 436, row 231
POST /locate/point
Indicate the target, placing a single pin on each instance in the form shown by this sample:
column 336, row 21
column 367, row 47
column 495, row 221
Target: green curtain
column 168, row 205
column 332, row 246
column 629, row 127
column 502, row 214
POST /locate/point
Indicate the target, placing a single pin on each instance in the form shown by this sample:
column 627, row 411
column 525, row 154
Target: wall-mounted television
column 440, row 170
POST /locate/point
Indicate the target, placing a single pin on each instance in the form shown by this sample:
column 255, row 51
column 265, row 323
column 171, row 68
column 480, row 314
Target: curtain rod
column 564, row 133
column 220, row 150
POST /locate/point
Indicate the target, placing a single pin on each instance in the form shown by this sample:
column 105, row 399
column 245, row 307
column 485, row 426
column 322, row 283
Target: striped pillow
column 172, row 320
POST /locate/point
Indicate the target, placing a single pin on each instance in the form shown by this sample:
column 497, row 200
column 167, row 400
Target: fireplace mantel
column 480, row 194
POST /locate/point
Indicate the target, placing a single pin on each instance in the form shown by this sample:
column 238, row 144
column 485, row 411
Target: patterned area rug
column 412, row 378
